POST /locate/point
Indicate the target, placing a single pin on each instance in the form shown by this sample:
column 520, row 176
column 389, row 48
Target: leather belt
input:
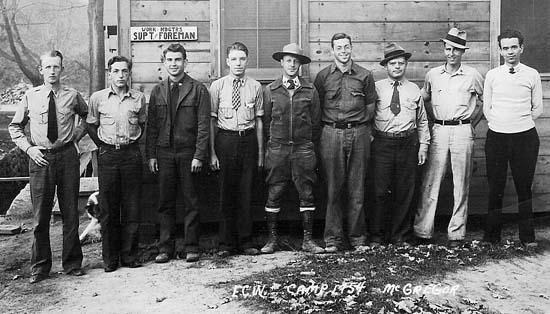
column 57, row 149
column 344, row 125
column 407, row 133
column 453, row 122
column 118, row 146
column 237, row 133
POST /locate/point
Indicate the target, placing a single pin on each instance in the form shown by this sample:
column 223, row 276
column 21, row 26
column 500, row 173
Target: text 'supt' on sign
column 164, row 33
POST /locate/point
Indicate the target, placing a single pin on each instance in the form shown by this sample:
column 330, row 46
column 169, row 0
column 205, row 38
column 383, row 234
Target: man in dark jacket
column 292, row 121
column 176, row 147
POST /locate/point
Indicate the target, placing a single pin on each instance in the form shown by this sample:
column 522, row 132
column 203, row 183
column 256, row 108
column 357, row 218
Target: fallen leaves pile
column 374, row 280
column 12, row 95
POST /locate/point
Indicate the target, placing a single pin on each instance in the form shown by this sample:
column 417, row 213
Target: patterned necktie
column 291, row 84
column 395, row 105
column 52, row 119
column 236, row 96
column 512, row 70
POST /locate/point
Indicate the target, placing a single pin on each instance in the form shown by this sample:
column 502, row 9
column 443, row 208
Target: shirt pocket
column 249, row 111
column 39, row 115
column 410, row 106
column 66, row 115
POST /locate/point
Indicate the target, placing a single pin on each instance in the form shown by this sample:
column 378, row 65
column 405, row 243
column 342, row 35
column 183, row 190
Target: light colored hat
column 392, row 51
column 292, row 49
column 456, row 38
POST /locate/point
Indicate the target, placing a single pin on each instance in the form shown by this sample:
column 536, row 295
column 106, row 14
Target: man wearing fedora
column 511, row 102
column 292, row 119
column 347, row 95
column 401, row 140
column 452, row 94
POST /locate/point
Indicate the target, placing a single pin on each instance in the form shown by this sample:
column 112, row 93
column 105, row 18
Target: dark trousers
column 345, row 157
column 176, row 178
column 290, row 163
column 521, row 151
column 238, row 157
column 120, row 172
column 62, row 172
column 394, row 163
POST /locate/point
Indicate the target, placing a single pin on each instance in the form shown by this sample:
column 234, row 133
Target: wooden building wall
column 415, row 25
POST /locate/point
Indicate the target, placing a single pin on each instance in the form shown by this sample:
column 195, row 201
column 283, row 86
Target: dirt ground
column 516, row 286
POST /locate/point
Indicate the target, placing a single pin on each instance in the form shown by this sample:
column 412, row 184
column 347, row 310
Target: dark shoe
column 271, row 246
column 331, row 249
column 454, row 244
column 251, row 251
column 530, row 245
column 223, row 253
column 403, row 244
column 311, row 247
column 192, row 257
column 110, row 268
column 162, row 258
column 132, row 264
column 422, row 241
column 37, row 278
column 76, row 272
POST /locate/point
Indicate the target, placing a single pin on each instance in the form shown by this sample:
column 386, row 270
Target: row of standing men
column 340, row 123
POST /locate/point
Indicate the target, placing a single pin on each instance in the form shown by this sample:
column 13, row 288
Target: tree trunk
column 97, row 45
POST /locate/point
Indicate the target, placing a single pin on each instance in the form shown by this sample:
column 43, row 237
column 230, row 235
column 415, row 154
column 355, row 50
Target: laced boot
column 308, row 245
column 271, row 245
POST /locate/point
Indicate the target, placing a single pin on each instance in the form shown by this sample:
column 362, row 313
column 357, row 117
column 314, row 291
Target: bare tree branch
column 82, row 65
column 31, row 74
column 19, row 41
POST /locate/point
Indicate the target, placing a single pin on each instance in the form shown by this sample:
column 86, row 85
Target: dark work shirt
column 345, row 96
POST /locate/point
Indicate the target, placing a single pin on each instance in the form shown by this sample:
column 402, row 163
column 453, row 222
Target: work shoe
column 271, row 246
column 37, row 278
column 110, row 268
column 530, row 245
column 223, row 253
column 162, row 258
column 311, row 247
column 76, row 272
column 331, row 249
column 192, row 257
column 454, row 244
column 132, row 264
column 251, row 251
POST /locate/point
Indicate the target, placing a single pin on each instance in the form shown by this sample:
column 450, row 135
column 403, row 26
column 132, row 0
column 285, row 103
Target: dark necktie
column 174, row 95
column 291, row 84
column 512, row 70
column 52, row 119
column 395, row 105
column 236, row 95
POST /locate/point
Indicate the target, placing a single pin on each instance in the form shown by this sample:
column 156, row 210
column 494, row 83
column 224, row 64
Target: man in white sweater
column 512, row 101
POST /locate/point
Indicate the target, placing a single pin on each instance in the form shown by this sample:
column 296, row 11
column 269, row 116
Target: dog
column 93, row 230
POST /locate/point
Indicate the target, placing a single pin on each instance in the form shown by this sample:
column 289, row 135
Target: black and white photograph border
column 432, row 276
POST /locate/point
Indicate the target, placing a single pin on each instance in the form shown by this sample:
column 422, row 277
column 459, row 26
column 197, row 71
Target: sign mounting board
column 164, row 33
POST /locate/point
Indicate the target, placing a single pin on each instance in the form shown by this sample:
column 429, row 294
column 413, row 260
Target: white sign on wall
column 163, row 33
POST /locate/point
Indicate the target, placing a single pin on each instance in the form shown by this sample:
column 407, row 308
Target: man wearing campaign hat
column 401, row 140
column 292, row 119
column 452, row 94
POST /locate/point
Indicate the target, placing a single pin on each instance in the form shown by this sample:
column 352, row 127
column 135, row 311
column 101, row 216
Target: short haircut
column 53, row 54
column 174, row 48
column 119, row 59
column 339, row 36
column 236, row 46
column 511, row 33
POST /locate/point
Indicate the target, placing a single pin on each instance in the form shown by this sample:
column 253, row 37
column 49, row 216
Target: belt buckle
column 117, row 146
column 242, row 132
column 349, row 125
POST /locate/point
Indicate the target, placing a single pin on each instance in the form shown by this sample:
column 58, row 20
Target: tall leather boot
column 271, row 245
column 308, row 245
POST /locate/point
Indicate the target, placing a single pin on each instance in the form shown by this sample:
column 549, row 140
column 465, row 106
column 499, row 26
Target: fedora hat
column 392, row 51
column 456, row 38
column 294, row 50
